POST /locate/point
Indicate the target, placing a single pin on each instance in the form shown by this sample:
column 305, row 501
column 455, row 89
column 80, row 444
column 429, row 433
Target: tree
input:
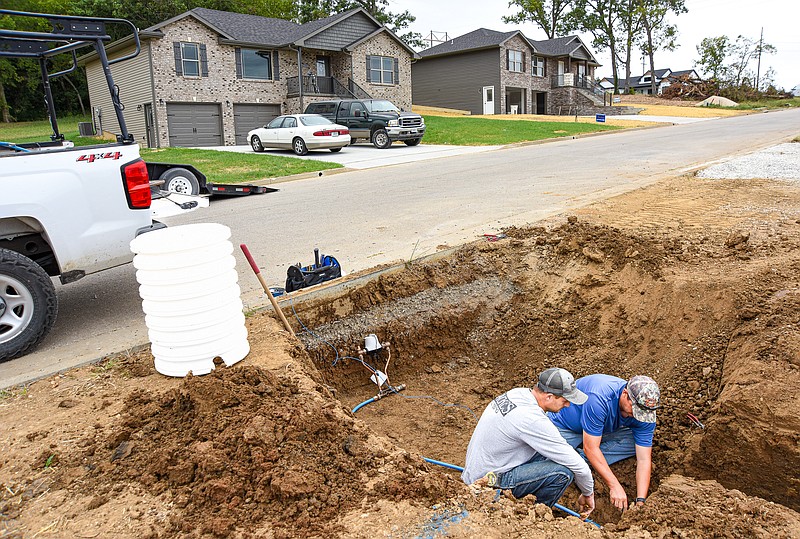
column 743, row 51
column 658, row 33
column 629, row 24
column 547, row 14
column 601, row 18
column 713, row 51
column 727, row 64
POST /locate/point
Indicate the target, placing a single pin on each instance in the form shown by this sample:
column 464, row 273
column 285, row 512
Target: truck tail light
column 137, row 185
column 328, row 132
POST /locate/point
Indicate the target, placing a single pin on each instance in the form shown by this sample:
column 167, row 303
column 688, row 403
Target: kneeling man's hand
column 585, row 505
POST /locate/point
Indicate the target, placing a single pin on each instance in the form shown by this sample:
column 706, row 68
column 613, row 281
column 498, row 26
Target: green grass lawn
column 234, row 167
column 769, row 104
column 481, row 131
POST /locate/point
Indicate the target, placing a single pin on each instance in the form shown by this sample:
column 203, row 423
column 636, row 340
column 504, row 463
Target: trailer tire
column 180, row 180
column 28, row 304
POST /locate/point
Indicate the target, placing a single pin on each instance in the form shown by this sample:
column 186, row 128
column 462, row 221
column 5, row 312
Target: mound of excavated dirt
column 693, row 282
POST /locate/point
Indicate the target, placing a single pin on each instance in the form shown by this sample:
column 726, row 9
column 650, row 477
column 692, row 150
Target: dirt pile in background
column 694, row 283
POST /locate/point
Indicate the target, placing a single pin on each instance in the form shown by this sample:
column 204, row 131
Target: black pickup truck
column 375, row 120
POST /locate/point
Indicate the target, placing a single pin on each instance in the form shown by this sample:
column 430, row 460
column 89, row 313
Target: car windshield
column 381, row 105
column 315, row 120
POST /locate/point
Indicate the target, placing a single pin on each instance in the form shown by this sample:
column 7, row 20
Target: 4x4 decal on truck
column 92, row 157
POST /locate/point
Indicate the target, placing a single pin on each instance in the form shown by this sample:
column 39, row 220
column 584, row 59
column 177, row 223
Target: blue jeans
column 615, row 446
column 539, row 476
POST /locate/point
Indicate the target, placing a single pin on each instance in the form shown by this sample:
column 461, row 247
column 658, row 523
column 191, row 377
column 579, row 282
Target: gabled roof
column 483, row 38
column 267, row 31
column 563, row 46
column 636, row 81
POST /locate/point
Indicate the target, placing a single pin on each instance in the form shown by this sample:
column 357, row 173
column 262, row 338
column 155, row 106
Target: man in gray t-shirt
column 516, row 447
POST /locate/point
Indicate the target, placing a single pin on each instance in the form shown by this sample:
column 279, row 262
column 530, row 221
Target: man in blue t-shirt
column 616, row 422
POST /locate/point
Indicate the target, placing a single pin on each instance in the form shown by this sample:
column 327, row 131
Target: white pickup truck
column 66, row 211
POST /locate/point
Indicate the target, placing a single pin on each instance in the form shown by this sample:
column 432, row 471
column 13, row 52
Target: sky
column 780, row 20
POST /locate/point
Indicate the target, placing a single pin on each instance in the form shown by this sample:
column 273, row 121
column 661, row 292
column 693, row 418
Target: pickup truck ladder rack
column 68, row 33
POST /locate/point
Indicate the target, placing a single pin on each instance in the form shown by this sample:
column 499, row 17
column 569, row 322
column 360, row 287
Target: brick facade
column 383, row 45
column 223, row 87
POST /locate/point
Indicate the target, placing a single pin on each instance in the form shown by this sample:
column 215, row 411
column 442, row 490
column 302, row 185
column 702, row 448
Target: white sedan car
column 300, row 132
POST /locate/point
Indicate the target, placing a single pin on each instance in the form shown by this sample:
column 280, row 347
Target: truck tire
column 353, row 141
column 380, row 139
column 412, row 142
column 28, row 304
column 180, row 180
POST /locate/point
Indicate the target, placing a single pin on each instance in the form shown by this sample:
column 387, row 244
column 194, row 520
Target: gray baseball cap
column 561, row 383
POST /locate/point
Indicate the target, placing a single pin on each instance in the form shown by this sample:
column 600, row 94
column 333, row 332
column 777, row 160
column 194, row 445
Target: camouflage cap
column 646, row 398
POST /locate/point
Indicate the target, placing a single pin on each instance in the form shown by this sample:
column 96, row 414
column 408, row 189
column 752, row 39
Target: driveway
column 363, row 156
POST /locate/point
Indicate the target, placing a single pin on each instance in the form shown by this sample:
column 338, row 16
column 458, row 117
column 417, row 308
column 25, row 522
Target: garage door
column 194, row 124
column 247, row 116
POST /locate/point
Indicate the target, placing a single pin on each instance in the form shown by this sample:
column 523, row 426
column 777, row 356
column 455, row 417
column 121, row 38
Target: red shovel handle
column 249, row 258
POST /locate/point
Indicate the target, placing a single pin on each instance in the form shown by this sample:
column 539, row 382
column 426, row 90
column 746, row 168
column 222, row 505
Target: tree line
column 624, row 26
column 20, row 79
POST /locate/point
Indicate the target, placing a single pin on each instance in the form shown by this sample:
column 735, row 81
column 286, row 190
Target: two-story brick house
column 206, row 77
column 490, row 72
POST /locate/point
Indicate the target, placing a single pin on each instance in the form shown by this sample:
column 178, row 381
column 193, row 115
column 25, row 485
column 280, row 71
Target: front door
column 541, row 104
column 488, row 99
column 323, row 66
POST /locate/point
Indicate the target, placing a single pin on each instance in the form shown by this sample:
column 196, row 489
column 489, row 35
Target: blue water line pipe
column 460, row 469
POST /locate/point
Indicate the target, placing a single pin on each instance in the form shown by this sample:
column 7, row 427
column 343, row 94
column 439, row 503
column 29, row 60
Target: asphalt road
column 381, row 215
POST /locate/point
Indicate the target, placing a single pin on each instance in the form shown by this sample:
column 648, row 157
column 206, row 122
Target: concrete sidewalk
column 364, row 156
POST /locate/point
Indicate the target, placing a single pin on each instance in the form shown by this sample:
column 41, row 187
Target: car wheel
column 380, row 138
column 335, row 150
column 255, row 142
column 180, row 180
column 412, row 142
column 28, row 304
column 299, row 146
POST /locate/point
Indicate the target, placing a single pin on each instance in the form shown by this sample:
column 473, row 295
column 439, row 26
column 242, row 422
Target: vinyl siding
column 457, row 81
column 342, row 34
column 136, row 88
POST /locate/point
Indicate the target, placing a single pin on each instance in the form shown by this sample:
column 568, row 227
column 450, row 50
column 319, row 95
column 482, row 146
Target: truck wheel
column 353, row 141
column 412, row 142
column 381, row 140
column 299, row 146
column 334, row 150
column 28, row 304
column 180, row 180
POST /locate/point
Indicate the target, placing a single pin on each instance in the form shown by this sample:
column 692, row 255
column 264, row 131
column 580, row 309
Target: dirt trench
column 705, row 299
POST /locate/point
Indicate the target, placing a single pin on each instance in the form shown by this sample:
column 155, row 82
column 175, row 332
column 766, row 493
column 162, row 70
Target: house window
column 190, row 59
column 381, row 69
column 515, row 61
column 538, row 66
column 256, row 64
